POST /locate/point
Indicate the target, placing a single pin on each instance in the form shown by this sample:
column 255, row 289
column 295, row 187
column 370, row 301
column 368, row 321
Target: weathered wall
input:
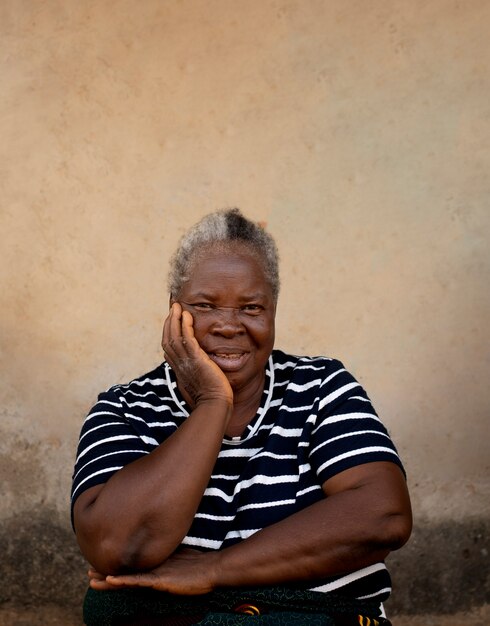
column 358, row 131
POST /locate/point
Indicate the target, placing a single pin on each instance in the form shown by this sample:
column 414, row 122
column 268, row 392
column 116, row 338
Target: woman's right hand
column 199, row 378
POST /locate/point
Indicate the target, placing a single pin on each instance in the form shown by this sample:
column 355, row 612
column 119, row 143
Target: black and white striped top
column 315, row 420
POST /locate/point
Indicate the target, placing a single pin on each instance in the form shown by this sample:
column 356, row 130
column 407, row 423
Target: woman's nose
column 227, row 321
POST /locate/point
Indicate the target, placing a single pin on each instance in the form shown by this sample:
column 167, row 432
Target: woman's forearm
column 314, row 543
column 350, row 529
column 140, row 516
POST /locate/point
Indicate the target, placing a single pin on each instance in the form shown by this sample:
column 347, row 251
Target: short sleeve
column 347, row 431
column 108, row 441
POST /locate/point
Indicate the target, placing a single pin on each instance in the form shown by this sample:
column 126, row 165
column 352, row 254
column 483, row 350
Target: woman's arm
column 365, row 515
column 140, row 516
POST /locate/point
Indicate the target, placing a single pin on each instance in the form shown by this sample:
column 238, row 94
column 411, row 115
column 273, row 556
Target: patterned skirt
column 265, row 606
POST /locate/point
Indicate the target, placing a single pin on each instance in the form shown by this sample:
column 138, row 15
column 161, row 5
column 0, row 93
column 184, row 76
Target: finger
column 165, row 330
column 101, row 585
column 95, row 575
column 187, row 323
column 165, row 342
column 133, row 580
column 177, row 344
column 167, row 325
column 172, row 335
column 188, row 337
column 176, row 321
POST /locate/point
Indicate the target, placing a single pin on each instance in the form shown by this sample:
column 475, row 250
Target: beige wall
column 357, row 130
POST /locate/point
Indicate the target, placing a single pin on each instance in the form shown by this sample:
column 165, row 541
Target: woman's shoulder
column 283, row 360
column 319, row 375
column 154, row 381
column 141, row 402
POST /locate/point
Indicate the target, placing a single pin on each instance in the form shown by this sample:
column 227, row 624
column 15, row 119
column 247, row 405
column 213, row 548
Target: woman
column 245, row 479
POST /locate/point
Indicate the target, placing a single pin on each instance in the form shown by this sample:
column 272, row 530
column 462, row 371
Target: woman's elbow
column 103, row 554
column 397, row 528
column 111, row 554
column 396, row 513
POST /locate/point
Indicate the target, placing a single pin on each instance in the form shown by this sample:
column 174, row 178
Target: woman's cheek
column 199, row 330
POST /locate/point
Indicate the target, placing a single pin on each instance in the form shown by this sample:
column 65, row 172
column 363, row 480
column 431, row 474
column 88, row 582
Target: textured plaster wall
column 358, row 131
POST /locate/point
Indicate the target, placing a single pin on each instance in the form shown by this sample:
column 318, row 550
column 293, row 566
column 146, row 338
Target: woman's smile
column 229, row 361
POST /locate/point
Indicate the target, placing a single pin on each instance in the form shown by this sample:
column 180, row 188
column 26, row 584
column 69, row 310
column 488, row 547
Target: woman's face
column 233, row 309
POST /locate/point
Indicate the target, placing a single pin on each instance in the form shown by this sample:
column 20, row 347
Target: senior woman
column 236, row 482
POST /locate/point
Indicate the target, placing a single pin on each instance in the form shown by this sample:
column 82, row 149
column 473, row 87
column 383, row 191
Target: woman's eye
column 252, row 309
column 203, row 306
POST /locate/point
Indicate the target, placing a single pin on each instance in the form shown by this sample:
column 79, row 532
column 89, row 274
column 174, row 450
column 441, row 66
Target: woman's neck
column 245, row 405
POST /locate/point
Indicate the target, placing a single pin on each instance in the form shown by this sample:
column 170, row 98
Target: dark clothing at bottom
column 267, row 606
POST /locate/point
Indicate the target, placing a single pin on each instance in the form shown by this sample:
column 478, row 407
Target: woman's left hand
column 186, row 572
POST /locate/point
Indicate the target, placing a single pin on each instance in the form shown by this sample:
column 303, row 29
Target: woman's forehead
column 236, row 268
column 238, row 256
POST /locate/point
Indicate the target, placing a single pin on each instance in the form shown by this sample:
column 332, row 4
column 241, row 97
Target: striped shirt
column 315, row 420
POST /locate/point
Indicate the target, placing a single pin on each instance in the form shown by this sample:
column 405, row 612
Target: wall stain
column 41, row 563
column 443, row 569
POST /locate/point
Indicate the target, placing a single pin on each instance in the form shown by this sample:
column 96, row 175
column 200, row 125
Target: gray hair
column 222, row 229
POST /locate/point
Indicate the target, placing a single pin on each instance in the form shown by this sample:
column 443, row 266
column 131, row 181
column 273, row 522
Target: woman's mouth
column 229, row 361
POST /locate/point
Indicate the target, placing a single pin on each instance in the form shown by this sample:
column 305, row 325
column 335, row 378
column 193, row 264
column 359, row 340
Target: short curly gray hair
column 224, row 228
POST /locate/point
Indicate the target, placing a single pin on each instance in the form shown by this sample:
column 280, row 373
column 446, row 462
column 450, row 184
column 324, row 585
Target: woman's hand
column 199, row 378
column 187, row 572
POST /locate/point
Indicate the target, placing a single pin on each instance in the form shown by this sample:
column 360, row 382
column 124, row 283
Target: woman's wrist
column 217, row 404
column 214, row 564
